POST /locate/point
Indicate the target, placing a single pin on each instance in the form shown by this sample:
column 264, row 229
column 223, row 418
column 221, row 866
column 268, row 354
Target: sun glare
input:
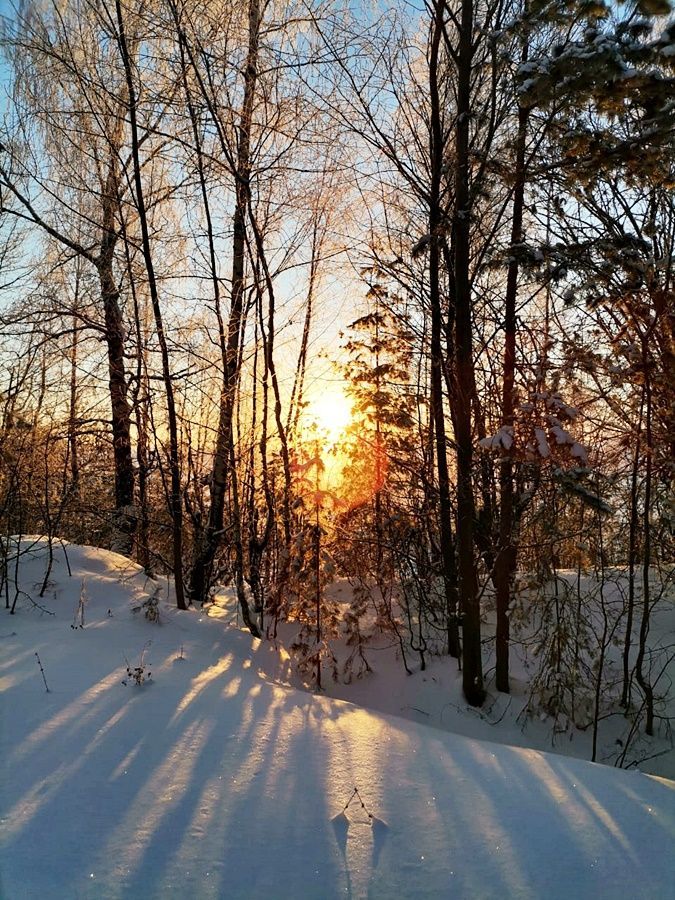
column 331, row 411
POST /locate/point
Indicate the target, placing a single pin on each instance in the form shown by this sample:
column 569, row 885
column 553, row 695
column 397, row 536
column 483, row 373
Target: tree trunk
column 176, row 502
column 205, row 554
column 437, row 406
column 632, row 559
column 124, row 517
column 239, row 548
column 72, row 412
column 505, row 563
column 643, row 678
column 140, row 404
column 271, row 369
column 468, row 582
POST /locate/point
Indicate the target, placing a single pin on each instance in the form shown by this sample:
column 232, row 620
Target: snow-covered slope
column 208, row 781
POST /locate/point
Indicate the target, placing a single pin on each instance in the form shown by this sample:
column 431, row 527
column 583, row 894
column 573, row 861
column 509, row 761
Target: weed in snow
column 150, row 607
column 137, row 674
column 78, row 618
column 42, row 671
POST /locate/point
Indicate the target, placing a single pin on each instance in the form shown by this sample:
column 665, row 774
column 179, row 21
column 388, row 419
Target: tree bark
column 124, row 517
column 472, row 674
column 176, row 500
column 642, row 676
column 201, row 572
column 632, row 559
column 437, row 405
column 506, row 561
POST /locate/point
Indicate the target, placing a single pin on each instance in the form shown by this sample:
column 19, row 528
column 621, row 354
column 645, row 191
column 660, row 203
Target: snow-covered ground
column 214, row 780
column 434, row 696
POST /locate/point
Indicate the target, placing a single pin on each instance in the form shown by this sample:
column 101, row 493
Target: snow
column 579, row 452
column 212, row 779
column 559, row 433
column 503, row 438
column 542, row 443
column 527, row 85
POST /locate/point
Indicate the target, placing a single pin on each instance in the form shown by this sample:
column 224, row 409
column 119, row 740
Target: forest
column 306, row 294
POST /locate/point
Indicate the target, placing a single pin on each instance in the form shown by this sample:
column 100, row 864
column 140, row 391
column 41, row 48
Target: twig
column 79, row 610
column 65, row 553
column 643, row 759
column 417, row 709
column 355, row 793
column 43, row 672
column 506, row 709
column 37, row 605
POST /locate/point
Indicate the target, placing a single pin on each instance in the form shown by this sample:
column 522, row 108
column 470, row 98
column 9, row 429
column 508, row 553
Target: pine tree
column 379, row 456
column 311, row 569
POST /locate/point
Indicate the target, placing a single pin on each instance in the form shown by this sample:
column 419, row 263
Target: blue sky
column 5, row 11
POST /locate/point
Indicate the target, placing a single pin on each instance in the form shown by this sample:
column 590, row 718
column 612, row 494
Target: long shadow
column 234, row 793
column 540, row 823
column 243, row 793
column 106, row 806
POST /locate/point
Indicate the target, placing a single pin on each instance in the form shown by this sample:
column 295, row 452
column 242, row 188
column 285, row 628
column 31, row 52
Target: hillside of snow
column 210, row 780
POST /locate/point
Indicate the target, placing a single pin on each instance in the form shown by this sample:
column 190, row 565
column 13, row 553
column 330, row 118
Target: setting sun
column 330, row 411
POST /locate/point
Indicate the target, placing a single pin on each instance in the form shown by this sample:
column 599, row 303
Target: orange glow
column 330, row 411
column 367, row 473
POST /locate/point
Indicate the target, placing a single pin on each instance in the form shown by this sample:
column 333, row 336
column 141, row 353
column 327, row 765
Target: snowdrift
column 206, row 780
